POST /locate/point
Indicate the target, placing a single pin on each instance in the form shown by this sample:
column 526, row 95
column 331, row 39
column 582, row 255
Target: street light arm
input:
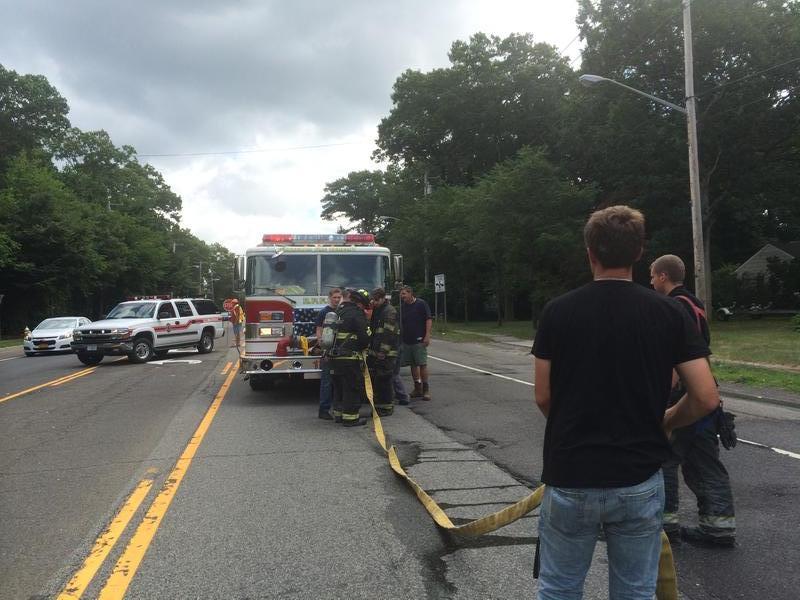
column 589, row 80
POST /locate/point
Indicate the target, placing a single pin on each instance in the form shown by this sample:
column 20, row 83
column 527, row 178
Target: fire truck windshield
column 310, row 274
column 353, row 271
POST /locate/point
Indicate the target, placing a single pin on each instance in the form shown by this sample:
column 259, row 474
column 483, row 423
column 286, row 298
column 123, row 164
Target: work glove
column 726, row 429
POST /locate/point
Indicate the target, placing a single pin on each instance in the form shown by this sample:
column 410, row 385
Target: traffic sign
column 438, row 283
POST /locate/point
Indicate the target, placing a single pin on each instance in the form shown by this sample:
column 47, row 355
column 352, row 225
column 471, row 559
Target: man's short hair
column 407, row 288
column 672, row 266
column 615, row 235
column 334, row 291
column 378, row 294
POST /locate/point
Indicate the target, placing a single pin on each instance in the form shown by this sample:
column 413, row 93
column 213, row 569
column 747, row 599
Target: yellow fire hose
column 666, row 586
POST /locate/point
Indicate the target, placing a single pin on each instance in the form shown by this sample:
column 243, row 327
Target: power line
column 253, row 151
column 751, row 75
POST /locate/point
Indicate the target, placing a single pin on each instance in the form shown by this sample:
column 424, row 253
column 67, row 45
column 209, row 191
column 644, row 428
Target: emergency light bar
column 311, row 239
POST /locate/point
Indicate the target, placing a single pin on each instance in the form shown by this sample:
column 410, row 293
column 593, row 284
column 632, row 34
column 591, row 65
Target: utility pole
column 426, row 192
column 200, row 269
column 700, row 285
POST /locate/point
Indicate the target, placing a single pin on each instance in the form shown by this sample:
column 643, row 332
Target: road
column 249, row 495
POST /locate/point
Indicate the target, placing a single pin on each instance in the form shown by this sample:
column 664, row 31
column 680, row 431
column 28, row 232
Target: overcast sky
column 278, row 77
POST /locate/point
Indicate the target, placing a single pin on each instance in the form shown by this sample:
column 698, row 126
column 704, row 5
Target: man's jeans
column 570, row 522
column 698, row 454
column 325, row 387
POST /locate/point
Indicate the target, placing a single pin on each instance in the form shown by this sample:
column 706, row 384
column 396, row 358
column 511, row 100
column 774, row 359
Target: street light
column 700, row 289
column 590, row 80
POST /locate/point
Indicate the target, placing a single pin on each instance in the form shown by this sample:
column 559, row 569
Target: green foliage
column 796, row 322
column 518, row 154
column 497, row 96
column 83, row 224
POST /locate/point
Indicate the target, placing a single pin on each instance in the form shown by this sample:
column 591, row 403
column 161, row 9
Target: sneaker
column 354, row 423
column 426, row 393
column 696, row 536
column 403, row 401
column 325, row 415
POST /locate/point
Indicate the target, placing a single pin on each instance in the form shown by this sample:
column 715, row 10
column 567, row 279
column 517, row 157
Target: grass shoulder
column 759, row 377
column 8, row 343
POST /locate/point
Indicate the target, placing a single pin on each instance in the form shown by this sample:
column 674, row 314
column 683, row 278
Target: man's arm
column 427, row 339
column 701, row 398
column 541, row 378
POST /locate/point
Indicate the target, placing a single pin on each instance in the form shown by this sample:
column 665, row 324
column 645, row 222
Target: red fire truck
column 286, row 280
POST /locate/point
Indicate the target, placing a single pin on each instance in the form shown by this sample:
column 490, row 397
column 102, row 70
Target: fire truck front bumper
column 306, row 366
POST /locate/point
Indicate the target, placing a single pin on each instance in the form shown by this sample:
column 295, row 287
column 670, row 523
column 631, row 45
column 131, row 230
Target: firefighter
column 347, row 358
column 382, row 353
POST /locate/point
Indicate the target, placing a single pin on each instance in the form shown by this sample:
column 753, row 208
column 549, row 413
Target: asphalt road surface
column 176, row 480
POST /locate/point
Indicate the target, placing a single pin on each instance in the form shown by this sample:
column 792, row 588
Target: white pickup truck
column 147, row 328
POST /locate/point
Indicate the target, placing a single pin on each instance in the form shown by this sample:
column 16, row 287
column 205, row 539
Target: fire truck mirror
column 398, row 269
column 239, row 274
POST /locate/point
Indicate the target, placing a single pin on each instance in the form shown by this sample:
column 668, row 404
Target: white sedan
column 52, row 335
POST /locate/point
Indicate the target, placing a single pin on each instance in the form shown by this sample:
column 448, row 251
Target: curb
column 757, row 398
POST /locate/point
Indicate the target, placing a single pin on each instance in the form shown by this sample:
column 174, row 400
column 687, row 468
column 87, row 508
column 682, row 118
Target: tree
column 33, row 115
column 746, row 84
column 497, row 96
column 359, row 197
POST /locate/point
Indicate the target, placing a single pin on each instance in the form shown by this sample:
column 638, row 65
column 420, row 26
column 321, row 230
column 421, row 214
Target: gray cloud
column 196, row 76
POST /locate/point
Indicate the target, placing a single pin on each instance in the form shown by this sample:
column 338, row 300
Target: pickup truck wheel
column 259, row 383
column 142, row 350
column 206, row 344
column 90, row 358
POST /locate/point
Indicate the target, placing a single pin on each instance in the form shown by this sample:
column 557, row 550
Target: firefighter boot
column 417, row 393
column 426, row 392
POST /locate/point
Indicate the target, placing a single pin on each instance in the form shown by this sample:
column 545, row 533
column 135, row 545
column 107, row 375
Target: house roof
column 757, row 264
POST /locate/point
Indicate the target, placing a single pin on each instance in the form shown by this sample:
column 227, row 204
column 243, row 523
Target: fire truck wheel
column 206, row 344
column 142, row 350
column 260, row 383
column 90, row 358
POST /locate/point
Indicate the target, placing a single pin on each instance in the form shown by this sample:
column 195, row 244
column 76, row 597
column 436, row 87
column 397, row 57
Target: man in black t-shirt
column 604, row 355
column 694, row 448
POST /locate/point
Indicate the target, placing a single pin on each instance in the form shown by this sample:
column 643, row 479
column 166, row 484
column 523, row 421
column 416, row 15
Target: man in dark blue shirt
column 416, row 336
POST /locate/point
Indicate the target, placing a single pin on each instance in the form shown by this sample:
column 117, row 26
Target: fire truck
column 286, row 280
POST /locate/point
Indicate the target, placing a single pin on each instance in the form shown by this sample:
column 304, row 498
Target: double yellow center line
column 53, row 383
column 125, row 568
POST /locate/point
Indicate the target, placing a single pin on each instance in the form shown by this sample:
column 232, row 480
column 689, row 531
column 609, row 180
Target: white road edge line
column 482, row 371
column 747, row 442
column 12, row 358
column 778, row 450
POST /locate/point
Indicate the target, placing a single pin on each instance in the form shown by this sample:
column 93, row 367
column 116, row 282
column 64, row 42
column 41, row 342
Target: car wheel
column 142, row 350
column 260, row 383
column 206, row 344
column 90, row 358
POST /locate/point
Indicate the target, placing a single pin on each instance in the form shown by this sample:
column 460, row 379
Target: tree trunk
column 466, row 303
